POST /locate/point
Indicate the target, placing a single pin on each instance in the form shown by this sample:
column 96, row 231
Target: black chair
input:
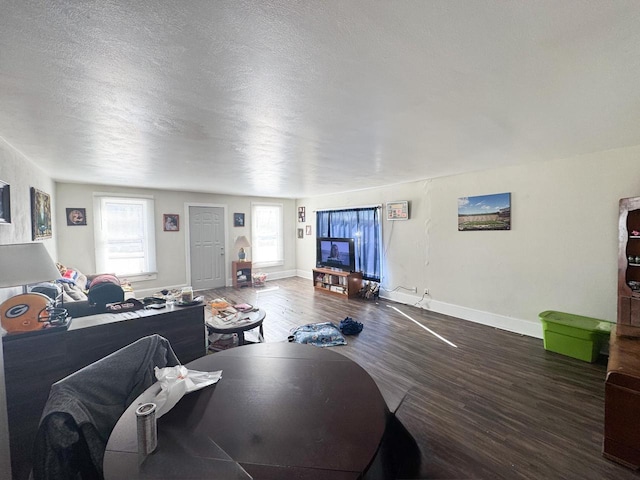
column 83, row 408
column 398, row 455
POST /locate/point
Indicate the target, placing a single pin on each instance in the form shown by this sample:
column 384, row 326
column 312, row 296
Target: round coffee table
column 239, row 323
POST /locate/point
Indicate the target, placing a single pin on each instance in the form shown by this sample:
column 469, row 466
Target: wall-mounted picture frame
column 171, row 222
column 300, row 233
column 76, row 216
column 484, row 212
column 238, row 219
column 40, row 215
column 301, row 214
column 5, row 203
column 308, row 229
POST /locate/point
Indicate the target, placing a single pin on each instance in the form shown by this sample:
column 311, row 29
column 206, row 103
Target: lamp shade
column 25, row 264
column 242, row 242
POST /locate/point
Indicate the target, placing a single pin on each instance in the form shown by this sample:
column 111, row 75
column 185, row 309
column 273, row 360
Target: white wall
column 561, row 253
column 76, row 243
column 20, row 174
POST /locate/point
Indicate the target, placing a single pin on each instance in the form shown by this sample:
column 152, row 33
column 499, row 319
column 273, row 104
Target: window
column 361, row 224
column 266, row 234
column 124, row 235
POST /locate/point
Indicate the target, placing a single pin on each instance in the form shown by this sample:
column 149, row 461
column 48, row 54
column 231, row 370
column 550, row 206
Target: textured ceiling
column 295, row 99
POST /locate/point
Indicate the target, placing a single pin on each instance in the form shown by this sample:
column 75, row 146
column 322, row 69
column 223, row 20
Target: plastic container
column 187, row 295
column 259, row 279
column 574, row 335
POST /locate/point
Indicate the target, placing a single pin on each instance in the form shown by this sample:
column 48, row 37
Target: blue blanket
column 324, row 334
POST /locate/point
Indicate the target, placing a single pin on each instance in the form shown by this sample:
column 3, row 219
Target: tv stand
column 337, row 282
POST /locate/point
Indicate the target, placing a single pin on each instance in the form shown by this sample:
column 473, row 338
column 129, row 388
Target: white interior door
column 206, row 233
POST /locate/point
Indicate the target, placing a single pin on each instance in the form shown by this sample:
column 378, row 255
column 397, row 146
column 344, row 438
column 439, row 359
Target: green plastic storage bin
column 574, row 335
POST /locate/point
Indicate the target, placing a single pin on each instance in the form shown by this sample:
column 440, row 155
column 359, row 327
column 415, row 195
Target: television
column 336, row 253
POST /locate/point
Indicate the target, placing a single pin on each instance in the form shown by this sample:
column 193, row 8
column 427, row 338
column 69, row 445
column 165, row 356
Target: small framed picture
column 171, row 222
column 300, row 233
column 301, row 215
column 238, row 219
column 76, row 216
column 5, row 203
column 308, row 229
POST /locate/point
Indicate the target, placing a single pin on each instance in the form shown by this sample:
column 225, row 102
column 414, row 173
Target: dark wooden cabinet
column 34, row 362
column 622, row 402
column 241, row 274
column 629, row 268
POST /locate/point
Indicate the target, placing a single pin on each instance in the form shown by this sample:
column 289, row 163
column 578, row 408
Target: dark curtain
column 361, row 224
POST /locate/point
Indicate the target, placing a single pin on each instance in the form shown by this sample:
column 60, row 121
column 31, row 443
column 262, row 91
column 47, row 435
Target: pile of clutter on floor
column 370, row 290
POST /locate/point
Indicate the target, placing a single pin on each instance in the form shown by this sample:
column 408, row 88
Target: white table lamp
column 241, row 243
column 25, row 264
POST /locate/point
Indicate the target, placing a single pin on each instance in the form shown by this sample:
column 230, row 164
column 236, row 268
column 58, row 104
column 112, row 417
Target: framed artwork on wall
column 5, row 203
column 238, row 219
column 301, row 214
column 308, row 229
column 300, row 233
column 484, row 212
column 76, row 216
column 171, row 222
column 40, row 215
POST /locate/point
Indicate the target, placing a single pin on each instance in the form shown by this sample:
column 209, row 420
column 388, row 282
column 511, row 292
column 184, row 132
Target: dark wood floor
column 496, row 407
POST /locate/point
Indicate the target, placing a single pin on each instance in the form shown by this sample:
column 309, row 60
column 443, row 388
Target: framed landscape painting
column 40, row 214
column 484, row 212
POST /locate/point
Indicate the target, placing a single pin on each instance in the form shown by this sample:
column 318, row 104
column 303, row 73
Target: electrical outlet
column 426, row 291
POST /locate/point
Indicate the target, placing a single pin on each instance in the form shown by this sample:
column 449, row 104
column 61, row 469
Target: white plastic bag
column 176, row 381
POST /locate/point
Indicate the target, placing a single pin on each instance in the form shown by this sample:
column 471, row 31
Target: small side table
column 241, row 274
column 240, row 324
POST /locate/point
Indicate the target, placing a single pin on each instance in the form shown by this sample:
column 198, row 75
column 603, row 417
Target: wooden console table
column 34, row 362
column 622, row 402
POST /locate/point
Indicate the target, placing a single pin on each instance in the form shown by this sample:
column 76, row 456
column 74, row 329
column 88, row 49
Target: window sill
column 138, row 277
column 266, row 264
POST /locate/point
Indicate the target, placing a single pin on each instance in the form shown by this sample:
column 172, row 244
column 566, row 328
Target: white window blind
column 124, row 235
column 267, row 245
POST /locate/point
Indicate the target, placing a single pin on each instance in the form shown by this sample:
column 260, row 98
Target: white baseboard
column 510, row 324
column 280, row 275
column 147, row 292
column 304, row 274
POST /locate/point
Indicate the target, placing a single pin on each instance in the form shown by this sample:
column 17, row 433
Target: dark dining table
column 280, row 411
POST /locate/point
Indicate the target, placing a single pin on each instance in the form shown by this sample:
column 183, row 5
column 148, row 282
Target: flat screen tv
column 336, row 253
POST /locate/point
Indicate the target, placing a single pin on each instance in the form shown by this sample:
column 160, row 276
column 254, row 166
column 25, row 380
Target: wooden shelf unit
column 337, row 282
column 241, row 274
column 628, row 252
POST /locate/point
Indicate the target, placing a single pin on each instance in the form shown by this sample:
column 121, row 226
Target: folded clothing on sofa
column 73, row 283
